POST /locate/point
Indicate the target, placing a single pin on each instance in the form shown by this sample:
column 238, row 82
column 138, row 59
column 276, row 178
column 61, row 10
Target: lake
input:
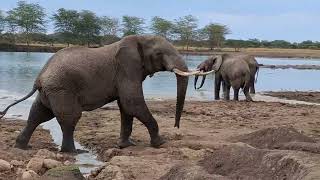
column 18, row 71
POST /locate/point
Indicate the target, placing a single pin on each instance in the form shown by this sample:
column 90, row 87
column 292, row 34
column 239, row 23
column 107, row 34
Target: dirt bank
column 313, row 97
column 217, row 140
column 20, row 159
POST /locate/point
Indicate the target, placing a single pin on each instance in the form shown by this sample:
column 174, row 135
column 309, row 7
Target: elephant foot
column 125, row 143
column 69, row 148
column 22, row 146
column 157, row 142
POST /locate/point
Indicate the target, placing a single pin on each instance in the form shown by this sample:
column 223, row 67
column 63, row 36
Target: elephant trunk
column 173, row 64
column 182, row 84
column 196, row 80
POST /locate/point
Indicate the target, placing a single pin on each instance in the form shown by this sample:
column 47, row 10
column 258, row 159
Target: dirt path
column 217, row 140
column 313, row 97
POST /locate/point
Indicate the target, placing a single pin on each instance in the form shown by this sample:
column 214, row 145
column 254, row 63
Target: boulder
column 110, row 172
column 46, row 154
column 50, row 163
column 29, row 175
column 63, row 172
column 35, row 164
column 16, row 163
column 4, row 165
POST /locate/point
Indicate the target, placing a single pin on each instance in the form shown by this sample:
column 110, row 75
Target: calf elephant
column 230, row 71
column 80, row 79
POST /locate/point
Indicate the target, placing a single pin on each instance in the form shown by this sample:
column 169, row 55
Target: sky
column 291, row 20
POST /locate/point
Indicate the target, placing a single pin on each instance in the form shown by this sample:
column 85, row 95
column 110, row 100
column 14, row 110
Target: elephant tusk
column 182, row 73
column 201, row 73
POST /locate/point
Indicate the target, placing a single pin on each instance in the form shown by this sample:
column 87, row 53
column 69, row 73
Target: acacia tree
column 65, row 24
column 29, row 17
column 2, row 22
column 185, row 27
column 161, row 27
column 215, row 34
column 132, row 25
column 110, row 28
column 88, row 27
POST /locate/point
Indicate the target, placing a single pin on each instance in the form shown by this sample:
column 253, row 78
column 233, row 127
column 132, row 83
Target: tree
column 88, row 27
column 65, row 22
column 132, row 25
column 161, row 27
column 110, row 28
column 2, row 22
column 28, row 17
column 215, row 34
column 185, row 27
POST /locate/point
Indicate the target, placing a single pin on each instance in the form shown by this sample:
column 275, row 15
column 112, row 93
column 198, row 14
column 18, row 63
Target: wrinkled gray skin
column 254, row 68
column 80, row 79
column 231, row 72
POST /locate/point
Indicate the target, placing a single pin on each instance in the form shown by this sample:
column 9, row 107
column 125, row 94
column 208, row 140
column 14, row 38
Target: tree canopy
column 132, row 25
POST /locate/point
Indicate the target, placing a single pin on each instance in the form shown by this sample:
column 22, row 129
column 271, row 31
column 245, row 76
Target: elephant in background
column 230, row 71
column 80, row 79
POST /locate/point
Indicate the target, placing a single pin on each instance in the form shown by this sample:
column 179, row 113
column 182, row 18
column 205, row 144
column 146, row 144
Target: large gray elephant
column 80, row 79
column 230, row 71
column 254, row 69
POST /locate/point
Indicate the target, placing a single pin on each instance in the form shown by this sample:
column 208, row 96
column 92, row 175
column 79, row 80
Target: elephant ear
column 217, row 63
column 131, row 55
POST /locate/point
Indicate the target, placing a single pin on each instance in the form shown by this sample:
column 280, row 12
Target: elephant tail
column 34, row 89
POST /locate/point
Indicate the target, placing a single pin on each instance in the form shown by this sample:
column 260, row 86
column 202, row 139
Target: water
column 19, row 70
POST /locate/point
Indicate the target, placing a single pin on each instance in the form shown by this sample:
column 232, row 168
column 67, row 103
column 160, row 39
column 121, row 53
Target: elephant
column 230, row 71
column 78, row 79
column 254, row 69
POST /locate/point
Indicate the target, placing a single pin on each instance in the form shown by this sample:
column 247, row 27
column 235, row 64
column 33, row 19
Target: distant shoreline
column 257, row 52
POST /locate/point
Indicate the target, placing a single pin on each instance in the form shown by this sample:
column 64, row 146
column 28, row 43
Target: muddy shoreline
column 311, row 96
column 213, row 142
column 270, row 53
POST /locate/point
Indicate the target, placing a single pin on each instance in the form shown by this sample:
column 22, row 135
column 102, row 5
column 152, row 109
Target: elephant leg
column 217, row 85
column 132, row 102
column 247, row 94
column 68, row 111
column 252, row 86
column 226, row 90
column 38, row 114
column 236, row 94
column 126, row 128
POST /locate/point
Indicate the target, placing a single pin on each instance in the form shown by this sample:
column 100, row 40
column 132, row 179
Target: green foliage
column 185, row 28
column 2, row 22
column 132, row 25
column 161, row 27
column 109, row 26
column 87, row 27
column 29, row 17
column 65, row 23
column 215, row 34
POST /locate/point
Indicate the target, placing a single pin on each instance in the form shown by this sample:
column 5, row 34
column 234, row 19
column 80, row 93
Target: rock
column 29, row 175
column 110, row 153
column 63, row 172
column 50, row 163
column 35, row 164
column 4, row 165
column 67, row 163
column 20, row 171
column 46, row 154
column 16, row 163
column 110, row 172
column 60, row 157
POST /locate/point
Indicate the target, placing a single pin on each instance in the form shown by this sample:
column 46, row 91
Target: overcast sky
column 291, row 20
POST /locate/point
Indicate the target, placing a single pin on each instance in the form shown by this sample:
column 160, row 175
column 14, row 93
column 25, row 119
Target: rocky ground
column 313, row 97
column 216, row 140
column 39, row 162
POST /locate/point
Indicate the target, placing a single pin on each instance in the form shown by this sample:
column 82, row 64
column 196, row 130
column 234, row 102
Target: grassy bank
column 258, row 52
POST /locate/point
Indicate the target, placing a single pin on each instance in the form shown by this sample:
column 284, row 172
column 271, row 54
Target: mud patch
column 313, row 97
column 273, row 138
column 245, row 162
